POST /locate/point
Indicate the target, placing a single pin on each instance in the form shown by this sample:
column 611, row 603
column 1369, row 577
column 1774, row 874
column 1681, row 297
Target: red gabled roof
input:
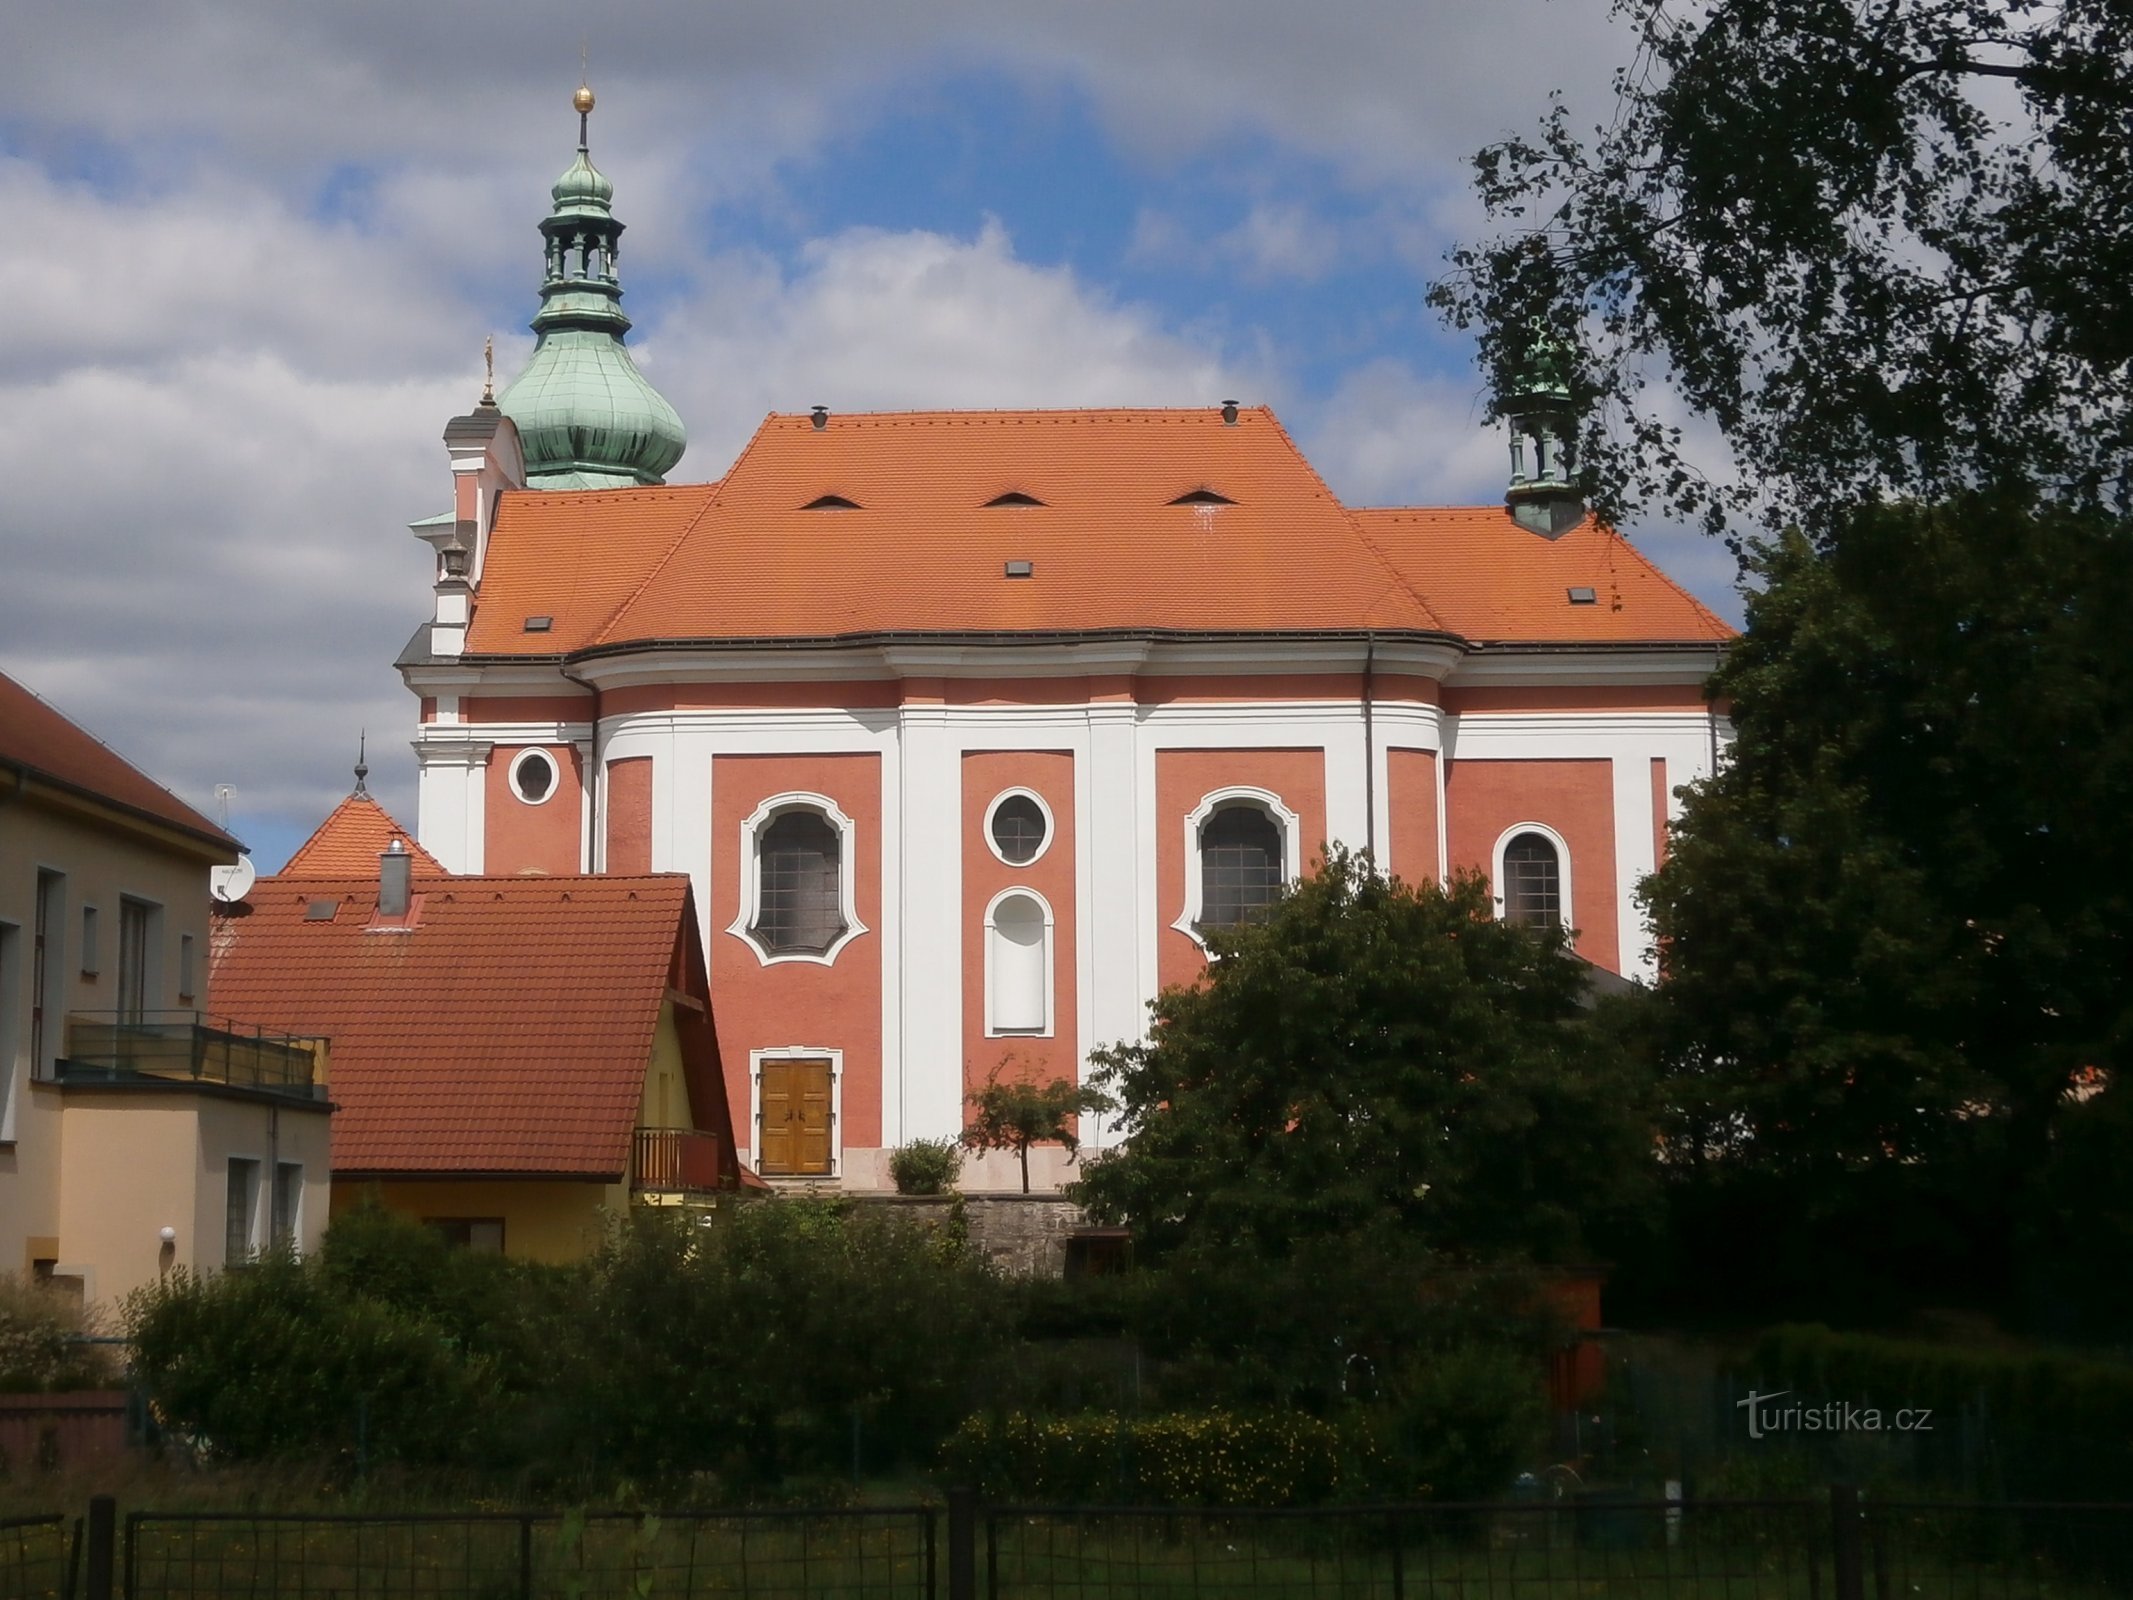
column 505, row 1029
column 1495, row 582
column 35, row 736
column 348, row 843
column 923, row 550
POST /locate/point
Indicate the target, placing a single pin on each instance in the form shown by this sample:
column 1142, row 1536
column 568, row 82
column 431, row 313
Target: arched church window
column 799, row 891
column 1532, row 881
column 1241, row 856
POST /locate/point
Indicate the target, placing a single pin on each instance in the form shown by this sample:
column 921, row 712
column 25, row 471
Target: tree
column 1377, row 1060
column 1885, row 246
column 1017, row 1114
column 1898, row 922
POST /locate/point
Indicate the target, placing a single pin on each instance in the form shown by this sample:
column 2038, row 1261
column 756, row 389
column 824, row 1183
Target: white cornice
column 1609, row 666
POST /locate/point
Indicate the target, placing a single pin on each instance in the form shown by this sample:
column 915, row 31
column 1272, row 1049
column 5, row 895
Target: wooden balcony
column 670, row 1165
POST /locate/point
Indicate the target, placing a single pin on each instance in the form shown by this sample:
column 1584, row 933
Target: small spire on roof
column 488, row 370
column 362, row 767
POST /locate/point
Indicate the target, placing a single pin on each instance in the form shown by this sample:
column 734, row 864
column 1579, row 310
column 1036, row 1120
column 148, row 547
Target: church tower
column 586, row 417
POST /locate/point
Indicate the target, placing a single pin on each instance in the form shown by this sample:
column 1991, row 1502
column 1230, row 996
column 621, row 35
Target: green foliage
column 1898, row 923
column 1017, row 1114
column 1215, row 1458
column 1460, row 1422
column 40, row 1348
column 1377, row 1059
column 1882, row 248
column 926, row 1166
column 274, row 1361
column 753, row 1341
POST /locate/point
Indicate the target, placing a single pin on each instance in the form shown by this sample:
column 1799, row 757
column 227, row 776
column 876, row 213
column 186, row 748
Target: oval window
column 1019, row 828
column 533, row 776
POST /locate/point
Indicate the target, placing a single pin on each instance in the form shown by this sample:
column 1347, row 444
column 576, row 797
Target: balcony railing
column 190, row 1047
column 675, row 1161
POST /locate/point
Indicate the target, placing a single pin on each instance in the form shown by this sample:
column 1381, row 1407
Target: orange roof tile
column 348, row 843
column 506, row 1029
column 925, row 553
column 35, row 737
column 1495, row 582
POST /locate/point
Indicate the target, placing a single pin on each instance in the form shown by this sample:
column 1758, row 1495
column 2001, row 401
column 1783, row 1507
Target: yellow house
column 137, row 1132
column 515, row 1059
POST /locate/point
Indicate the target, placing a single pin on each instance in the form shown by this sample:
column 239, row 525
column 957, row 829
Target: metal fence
column 38, row 1556
column 775, row 1555
column 1839, row 1547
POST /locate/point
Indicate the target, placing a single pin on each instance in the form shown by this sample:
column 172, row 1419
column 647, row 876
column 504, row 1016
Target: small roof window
column 1014, row 497
column 539, row 624
column 1581, row 596
column 321, row 910
column 1021, row 569
column 1203, row 496
column 831, row 502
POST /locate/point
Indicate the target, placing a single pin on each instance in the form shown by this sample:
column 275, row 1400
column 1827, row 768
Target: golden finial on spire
column 488, row 367
column 583, row 99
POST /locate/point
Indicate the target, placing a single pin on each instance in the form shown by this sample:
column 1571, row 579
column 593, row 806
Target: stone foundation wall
column 1022, row 1234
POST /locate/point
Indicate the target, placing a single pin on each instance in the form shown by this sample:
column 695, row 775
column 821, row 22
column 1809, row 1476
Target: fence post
column 962, row 1544
column 1844, row 1514
column 103, row 1525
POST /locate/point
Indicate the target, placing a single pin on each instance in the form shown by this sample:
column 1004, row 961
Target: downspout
column 1370, row 753
column 593, row 777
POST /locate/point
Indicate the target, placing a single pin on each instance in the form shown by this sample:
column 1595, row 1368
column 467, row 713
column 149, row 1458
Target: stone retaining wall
column 1022, row 1234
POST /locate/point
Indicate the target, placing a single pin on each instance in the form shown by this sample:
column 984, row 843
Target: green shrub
column 1459, row 1423
column 1213, row 1458
column 926, row 1166
column 40, row 1341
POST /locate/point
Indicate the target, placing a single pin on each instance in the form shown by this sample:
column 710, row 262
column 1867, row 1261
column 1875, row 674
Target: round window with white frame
column 1018, row 826
column 533, row 776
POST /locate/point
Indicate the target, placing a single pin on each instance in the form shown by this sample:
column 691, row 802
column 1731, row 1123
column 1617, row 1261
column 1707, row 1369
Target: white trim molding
column 1566, row 915
column 1290, row 824
column 847, row 876
column 1051, row 826
column 1048, row 984
column 796, row 1052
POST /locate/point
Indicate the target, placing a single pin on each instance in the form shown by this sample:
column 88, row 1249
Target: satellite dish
column 233, row 883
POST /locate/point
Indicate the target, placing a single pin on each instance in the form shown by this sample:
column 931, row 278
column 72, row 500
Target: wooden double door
column 795, row 1121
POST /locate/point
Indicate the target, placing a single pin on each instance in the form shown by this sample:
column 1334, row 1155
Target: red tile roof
column 348, row 843
column 35, row 737
column 1495, row 582
column 924, row 552
column 507, row 1029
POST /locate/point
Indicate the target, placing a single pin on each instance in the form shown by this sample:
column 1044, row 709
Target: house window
column 1019, row 827
column 89, row 957
column 288, row 1203
column 799, row 905
column 482, row 1235
column 185, row 966
column 533, row 776
column 1018, row 965
column 136, row 987
column 1241, row 862
column 1531, row 881
column 240, row 1216
column 10, row 1022
column 47, row 965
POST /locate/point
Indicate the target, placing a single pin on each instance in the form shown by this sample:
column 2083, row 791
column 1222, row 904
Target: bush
column 40, row 1341
column 926, row 1166
column 1211, row 1458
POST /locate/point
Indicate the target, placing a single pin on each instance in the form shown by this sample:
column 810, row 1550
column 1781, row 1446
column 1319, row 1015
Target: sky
column 257, row 247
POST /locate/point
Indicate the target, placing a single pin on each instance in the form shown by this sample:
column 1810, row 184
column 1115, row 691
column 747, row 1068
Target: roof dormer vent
column 1203, row 496
column 1014, row 497
column 831, row 502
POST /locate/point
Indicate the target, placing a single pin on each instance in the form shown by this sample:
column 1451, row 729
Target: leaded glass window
column 799, row 884
column 1532, row 882
column 1240, row 866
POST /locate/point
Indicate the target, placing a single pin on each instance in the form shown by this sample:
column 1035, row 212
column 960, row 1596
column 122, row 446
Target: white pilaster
column 1634, row 861
column 1347, row 794
column 1116, row 866
column 451, row 796
column 930, row 965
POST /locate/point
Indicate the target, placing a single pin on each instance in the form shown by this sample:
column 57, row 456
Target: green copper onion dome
column 586, row 418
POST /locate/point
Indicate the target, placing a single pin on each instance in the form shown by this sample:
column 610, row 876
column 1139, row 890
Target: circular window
column 1020, row 828
column 533, row 776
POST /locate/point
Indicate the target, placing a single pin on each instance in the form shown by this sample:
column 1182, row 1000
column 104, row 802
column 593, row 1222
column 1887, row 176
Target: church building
column 968, row 725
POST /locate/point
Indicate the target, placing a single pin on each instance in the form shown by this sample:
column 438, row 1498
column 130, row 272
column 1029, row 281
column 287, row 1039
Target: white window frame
column 797, row 1052
column 992, row 906
column 847, row 876
column 1051, row 826
column 255, row 1220
column 555, row 774
column 1567, row 906
column 1290, row 824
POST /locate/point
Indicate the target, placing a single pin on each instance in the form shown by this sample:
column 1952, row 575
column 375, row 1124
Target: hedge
column 1214, row 1458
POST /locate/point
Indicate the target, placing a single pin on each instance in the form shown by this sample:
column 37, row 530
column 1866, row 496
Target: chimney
column 394, row 883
